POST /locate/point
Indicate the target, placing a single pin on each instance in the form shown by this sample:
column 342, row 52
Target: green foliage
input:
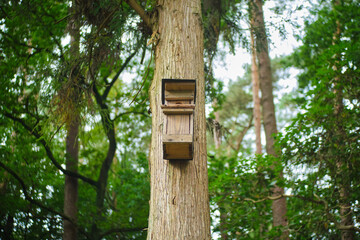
column 39, row 79
column 322, row 144
column 239, row 191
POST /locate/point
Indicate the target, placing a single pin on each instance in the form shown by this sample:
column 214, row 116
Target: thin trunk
column 256, row 111
column 217, row 129
column 346, row 217
column 71, row 183
column 212, row 12
column 223, row 220
column 6, row 230
column 109, row 129
column 278, row 206
column 179, row 201
column 221, row 204
column 255, row 89
column 72, row 143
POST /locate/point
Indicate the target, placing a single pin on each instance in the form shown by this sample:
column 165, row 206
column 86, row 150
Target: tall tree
column 72, row 127
column 255, row 87
column 344, row 185
column 268, row 109
column 57, row 84
column 179, row 202
column 323, row 137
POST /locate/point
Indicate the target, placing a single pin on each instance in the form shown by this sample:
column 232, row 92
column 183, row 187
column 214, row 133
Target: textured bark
column 72, row 144
column 179, row 202
column 278, row 206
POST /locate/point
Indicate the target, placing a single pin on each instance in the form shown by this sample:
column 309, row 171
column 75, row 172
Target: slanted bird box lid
column 178, row 89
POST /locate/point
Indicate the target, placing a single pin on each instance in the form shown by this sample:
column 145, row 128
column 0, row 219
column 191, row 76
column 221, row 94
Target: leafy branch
column 37, row 135
column 37, row 203
column 318, row 200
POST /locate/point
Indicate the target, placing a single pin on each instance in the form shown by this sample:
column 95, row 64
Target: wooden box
column 178, row 105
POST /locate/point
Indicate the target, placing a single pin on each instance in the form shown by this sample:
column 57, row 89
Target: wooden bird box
column 178, row 105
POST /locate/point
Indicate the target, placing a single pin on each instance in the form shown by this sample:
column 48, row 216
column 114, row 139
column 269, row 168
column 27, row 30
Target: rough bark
column 179, row 202
column 278, row 206
column 72, row 143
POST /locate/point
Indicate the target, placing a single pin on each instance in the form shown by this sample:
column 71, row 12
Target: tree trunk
column 71, row 183
column 179, row 202
column 255, row 90
column 256, row 110
column 72, row 144
column 221, row 204
column 212, row 12
column 346, row 217
column 278, row 206
column 217, row 128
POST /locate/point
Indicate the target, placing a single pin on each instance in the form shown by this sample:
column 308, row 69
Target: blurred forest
column 75, row 122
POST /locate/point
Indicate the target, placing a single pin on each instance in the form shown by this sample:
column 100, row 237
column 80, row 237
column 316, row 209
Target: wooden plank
column 177, row 138
column 181, row 151
column 190, row 106
column 179, row 95
column 180, row 86
column 178, row 111
column 191, row 124
column 178, row 124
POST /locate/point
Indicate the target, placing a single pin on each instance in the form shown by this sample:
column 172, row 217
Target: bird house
column 178, row 105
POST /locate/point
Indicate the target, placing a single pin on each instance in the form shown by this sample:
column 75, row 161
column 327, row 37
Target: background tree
column 72, row 128
column 45, row 77
column 268, row 109
column 323, row 137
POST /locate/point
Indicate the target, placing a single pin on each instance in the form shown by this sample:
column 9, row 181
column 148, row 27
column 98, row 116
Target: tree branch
column 243, row 132
column 241, row 136
column 49, row 153
column 139, row 10
column 130, row 112
column 318, row 200
column 108, row 87
column 109, row 129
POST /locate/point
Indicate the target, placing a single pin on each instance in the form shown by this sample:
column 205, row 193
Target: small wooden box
column 178, row 105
